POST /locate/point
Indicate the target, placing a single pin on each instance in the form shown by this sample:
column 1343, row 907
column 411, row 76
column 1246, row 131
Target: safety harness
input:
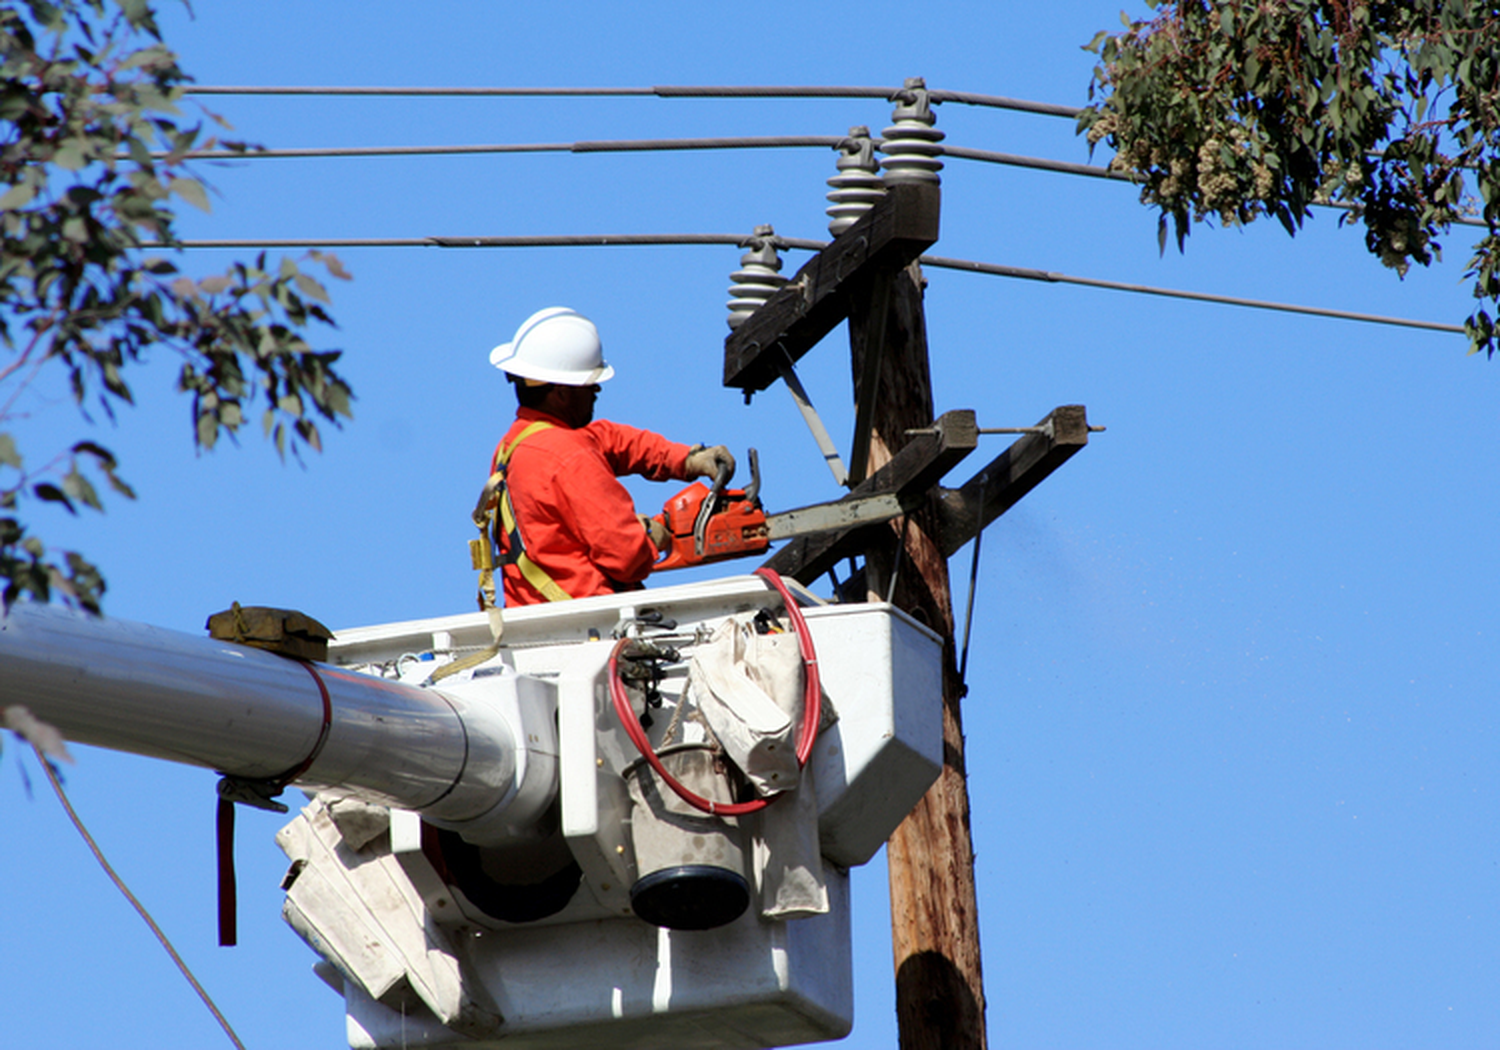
column 495, row 516
column 515, row 549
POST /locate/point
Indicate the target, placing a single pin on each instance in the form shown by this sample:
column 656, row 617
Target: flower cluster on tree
column 94, row 154
column 1235, row 109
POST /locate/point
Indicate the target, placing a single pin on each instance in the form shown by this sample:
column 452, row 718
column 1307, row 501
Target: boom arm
column 252, row 714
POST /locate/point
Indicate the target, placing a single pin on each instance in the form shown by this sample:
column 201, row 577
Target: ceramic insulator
column 758, row 278
column 858, row 185
column 912, row 145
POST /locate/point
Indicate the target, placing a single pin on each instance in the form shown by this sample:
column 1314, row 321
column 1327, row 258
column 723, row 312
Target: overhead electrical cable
column 661, row 91
column 119, row 883
column 1052, row 277
column 665, row 145
column 600, row 146
column 736, row 239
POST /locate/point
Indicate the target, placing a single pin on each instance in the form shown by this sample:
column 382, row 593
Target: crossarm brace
column 913, row 471
column 1011, row 475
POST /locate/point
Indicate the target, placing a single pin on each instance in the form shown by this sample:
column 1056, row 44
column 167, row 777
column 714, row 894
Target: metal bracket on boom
column 258, row 793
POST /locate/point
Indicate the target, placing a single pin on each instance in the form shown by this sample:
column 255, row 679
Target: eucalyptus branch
column 89, row 94
column 1238, row 108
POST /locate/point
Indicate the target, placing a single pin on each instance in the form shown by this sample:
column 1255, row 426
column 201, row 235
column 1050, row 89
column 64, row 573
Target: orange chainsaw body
column 735, row 526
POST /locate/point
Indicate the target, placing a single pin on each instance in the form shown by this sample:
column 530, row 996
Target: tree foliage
column 1234, row 109
column 93, row 158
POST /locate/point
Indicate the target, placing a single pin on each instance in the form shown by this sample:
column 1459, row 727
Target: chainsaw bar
column 830, row 517
column 712, row 524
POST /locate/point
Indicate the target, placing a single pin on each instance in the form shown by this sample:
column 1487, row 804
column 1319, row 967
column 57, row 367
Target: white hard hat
column 555, row 345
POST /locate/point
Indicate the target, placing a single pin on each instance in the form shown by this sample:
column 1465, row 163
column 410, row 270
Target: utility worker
column 578, row 531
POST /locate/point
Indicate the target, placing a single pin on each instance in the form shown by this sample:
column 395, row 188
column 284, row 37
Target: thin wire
column 941, row 262
column 566, row 241
column 963, row 663
column 890, row 592
column 136, row 904
column 457, row 92
column 660, row 91
column 1015, row 160
column 1096, row 171
column 598, row 146
column 1052, row 277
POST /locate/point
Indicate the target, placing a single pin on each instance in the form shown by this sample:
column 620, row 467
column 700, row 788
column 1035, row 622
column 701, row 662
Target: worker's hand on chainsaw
column 661, row 539
column 707, row 462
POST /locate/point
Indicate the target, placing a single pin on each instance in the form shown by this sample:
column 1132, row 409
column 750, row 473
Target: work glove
column 706, row 462
column 660, row 538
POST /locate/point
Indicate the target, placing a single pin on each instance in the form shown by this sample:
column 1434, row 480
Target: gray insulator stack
column 858, row 185
column 912, row 145
column 758, row 277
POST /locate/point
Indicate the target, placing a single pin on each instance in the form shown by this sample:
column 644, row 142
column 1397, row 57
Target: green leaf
column 311, row 288
column 334, row 266
column 192, row 191
column 70, row 156
column 50, row 493
column 79, row 488
column 18, row 197
column 9, row 457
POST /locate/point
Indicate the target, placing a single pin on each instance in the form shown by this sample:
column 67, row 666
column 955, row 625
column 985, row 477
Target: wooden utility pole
column 870, row 276
column 934, row 912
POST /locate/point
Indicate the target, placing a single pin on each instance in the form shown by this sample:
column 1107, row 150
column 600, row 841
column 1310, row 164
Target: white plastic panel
column 593, row 974
column 626, row 985
column 881, row 670
column 883, row 673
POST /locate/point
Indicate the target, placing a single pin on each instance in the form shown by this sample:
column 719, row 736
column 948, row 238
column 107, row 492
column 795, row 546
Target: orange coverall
column 576, row 521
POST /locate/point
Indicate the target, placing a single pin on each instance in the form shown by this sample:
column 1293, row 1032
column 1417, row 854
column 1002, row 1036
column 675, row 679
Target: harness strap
column 493, row 513
column 515, row 553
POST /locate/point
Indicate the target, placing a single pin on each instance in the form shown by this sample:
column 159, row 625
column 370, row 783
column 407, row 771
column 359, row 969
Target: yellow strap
column 538, row 578
column 507, row 450
column 531, row 572
column 494, row 492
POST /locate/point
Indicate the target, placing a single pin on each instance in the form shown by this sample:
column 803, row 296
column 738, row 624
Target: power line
column 661, row 91
column 665, row 145
column 135, row 902
column 1016, row 160
column 736, row 239
column 1096, row 171
column 669, row 91
column 1052, row 277
column 599, row 146
column 640, row 145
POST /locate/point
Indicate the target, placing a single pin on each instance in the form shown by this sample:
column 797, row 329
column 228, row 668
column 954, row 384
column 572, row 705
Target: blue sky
column 1232, row 724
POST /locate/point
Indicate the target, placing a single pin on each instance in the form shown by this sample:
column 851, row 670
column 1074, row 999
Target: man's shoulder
column 608, row 432
column 549, row 438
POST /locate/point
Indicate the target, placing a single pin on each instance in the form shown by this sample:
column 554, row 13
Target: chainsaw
column 709, row 524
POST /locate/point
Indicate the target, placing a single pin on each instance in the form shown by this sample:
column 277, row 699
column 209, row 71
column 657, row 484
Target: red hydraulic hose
column 812, row 714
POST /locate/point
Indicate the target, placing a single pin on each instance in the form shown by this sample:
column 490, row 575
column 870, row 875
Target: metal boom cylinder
column 253, row 714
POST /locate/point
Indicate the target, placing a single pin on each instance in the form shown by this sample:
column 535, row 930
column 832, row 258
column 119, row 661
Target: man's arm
column 629, row 450
column 604, row 520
